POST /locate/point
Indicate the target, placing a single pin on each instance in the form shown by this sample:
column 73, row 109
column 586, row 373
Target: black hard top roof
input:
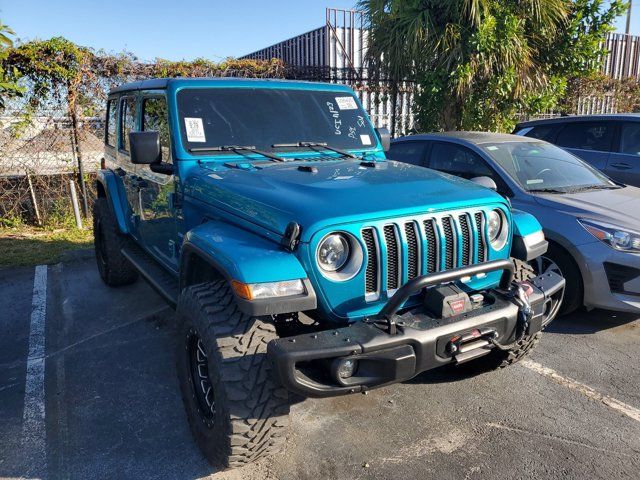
column 150, row 84
column 162, row 83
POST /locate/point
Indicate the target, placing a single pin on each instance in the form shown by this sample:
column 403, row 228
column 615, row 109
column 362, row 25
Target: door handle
column 622, row 166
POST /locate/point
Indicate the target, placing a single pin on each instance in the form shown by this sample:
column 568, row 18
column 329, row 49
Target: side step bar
column 154, row 274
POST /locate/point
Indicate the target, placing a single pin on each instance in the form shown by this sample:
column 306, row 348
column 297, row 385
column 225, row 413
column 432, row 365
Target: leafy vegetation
column 480, row 63
column 9, row 87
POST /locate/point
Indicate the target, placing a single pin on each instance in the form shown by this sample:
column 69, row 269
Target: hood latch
column 291, row 236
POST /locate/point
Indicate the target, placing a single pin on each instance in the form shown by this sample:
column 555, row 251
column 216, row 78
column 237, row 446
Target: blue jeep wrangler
column 300, row 261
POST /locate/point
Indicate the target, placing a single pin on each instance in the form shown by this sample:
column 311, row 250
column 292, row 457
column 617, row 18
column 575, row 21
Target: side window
column 630, row 139
column 127, row 120
column 458, row 160
column 408, row 152
column 112, row 123
column 543, row 132
column 586, row 136
column 155, row 118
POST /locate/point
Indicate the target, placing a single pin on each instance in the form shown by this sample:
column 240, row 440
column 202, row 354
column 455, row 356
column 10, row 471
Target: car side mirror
column 385, row 138
column 486, row 182
column 145, row 148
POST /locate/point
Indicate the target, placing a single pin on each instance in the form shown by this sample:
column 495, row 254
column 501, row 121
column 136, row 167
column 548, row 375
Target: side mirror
column 385, row 138
column 145, row 148
column 486, row 182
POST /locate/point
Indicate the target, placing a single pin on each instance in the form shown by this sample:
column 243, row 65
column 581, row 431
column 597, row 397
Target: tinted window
column 112, row 119
column 457, row 160
column 408, row 152
column 543, row 132
column 630, row 138
column 262, row 117
column 155, row 118
column 542, row 166
column 127, row 120
column 586, row 136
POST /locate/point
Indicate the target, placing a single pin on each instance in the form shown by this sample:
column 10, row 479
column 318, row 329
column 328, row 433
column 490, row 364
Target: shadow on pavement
column 584, row 322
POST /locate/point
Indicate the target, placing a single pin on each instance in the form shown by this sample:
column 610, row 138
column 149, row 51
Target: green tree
column 477, row 64
column 9, row 87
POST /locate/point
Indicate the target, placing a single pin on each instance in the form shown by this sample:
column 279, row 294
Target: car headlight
column 333, row 252
column 339, row 256
column 497, row 229
column 617, row 238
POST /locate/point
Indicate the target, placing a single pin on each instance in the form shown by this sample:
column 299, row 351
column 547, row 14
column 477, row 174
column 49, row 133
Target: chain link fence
column 38, row 160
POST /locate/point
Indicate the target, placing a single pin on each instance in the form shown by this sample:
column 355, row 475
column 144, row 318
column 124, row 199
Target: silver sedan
column 592, row 222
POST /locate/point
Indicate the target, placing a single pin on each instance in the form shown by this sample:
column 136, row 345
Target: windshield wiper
column 595, row 187
column 312, row 145
column 237, row 149
column 546, row 190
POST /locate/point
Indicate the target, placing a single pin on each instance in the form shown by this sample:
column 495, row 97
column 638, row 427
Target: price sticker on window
column 346, row 103
column 195, row 129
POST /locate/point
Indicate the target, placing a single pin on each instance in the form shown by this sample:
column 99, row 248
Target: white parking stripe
column 33, row 425
column 587, row 391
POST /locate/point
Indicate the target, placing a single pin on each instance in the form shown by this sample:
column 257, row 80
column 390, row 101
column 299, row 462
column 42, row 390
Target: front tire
column 497, row 359
column 237, row 412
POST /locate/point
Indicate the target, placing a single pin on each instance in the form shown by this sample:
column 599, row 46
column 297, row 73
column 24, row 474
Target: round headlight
column 497, row 229
column 333, row 252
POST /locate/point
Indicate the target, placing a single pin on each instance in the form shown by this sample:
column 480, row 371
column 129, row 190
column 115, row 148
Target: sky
column 177, row 29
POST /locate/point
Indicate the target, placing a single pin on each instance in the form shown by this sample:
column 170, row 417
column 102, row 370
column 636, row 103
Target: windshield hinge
column 291, row 236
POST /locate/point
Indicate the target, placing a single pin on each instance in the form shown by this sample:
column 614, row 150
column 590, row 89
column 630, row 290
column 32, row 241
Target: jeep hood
column 335, row 192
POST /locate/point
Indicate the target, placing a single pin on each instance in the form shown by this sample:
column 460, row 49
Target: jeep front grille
column 400, row 251
column 394, row 269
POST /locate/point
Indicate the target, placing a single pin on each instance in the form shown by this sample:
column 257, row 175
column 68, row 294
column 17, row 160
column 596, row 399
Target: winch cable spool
column 525, row 314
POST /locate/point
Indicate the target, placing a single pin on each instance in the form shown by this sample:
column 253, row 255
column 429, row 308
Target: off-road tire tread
column 118, row 270
column 255, row 406
column 498, row 359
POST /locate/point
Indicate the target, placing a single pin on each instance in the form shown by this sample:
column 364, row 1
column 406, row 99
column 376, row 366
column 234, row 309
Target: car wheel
column 237, row 412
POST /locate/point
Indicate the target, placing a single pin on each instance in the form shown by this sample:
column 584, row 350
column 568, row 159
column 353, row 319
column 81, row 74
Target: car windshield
column 264, row 117
column 542, row 167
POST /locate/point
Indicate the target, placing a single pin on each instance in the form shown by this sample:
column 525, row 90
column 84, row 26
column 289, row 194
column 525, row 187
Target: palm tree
column 8, row 86
column 453, row 48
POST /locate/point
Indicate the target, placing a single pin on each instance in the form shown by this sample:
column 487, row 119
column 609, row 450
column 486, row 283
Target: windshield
column 540, row 166
column 263, row 117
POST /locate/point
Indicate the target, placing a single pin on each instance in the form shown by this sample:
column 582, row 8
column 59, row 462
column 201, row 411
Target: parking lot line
column 586, row 390
column 33, row 426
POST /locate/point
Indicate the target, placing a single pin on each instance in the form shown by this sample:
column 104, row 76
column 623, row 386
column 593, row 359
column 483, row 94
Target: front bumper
column 599, row 289
column 307, row 364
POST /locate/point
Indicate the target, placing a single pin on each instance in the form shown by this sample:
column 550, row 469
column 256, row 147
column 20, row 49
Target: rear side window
column 408, row 152
column 127, row 120
column 586, row 136
column 458, row 160
column 112, row 122
column 154, row 118
column 630, row 138
column 543, row 132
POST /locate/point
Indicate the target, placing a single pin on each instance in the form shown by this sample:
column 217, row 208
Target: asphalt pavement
column 88, row 389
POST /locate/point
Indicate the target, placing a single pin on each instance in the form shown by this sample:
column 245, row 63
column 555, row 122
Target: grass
column 22, row 245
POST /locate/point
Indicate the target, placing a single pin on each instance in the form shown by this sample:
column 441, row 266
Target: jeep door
column 624, row 161
column 122, row 116
column 158, row 213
